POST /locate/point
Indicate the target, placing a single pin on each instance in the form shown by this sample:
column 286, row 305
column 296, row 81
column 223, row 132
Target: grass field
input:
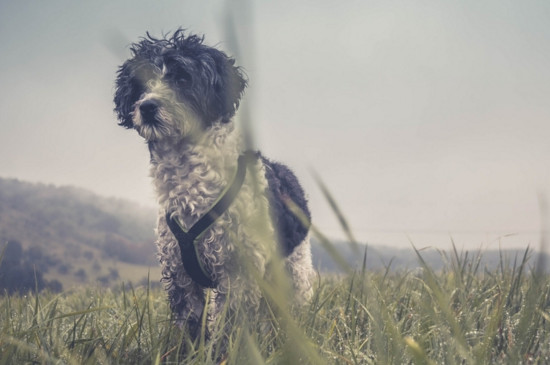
column 460, row 315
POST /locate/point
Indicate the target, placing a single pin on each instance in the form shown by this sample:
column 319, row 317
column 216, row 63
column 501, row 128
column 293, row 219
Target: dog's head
column 176, row 85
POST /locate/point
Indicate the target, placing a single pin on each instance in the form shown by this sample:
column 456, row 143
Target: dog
column 225, row 214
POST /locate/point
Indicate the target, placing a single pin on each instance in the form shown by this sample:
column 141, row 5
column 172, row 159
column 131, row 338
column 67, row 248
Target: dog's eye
column 178, row 76
column 184, row 76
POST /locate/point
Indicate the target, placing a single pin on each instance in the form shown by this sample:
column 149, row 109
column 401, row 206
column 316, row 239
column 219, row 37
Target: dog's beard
column 153, row 133
column 174, row 123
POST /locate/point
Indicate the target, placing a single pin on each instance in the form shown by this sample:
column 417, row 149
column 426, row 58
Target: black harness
column 186, row 240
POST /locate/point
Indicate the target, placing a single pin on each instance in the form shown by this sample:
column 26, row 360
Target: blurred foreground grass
column 460, row 315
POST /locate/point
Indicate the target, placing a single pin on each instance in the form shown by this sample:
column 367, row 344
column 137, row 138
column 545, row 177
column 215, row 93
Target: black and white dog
column 223, row 211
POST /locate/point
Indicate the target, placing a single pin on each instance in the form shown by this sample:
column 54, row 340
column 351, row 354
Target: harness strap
column 186, row 240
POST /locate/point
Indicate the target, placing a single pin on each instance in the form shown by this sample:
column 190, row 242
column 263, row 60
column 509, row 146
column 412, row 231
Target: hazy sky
column 426, row 118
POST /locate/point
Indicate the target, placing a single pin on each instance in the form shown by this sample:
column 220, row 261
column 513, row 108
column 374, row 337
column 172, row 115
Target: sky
column 427, row 120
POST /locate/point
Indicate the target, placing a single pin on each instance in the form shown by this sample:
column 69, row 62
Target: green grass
column 460, row 315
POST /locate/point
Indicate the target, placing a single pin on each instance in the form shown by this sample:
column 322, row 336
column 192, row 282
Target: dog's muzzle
column 148, row 110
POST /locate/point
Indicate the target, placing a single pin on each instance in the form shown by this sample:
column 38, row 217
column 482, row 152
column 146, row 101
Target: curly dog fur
column 181, row 96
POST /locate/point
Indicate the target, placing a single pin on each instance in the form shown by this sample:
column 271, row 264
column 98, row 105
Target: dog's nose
column 148, row 108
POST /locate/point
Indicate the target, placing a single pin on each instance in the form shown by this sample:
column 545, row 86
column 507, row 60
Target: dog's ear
column 126, row 94
column 227, row 87
column 235, row 84
column 131, row 78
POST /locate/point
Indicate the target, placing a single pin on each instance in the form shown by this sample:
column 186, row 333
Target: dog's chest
column 190, row 189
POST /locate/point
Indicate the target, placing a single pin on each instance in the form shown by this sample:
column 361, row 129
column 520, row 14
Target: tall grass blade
column 442, row 300
column 338, row 212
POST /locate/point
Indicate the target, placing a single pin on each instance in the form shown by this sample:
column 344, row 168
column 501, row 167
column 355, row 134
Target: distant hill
column 74, row 236
column 380, row 258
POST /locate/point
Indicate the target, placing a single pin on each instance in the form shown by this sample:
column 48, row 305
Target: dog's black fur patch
column 283, row 186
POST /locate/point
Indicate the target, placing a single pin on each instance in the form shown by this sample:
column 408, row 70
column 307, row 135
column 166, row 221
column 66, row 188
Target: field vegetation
column 461, row 314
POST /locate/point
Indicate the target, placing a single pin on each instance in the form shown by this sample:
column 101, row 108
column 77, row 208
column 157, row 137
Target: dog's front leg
column 187, row 303
column 235, row 301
